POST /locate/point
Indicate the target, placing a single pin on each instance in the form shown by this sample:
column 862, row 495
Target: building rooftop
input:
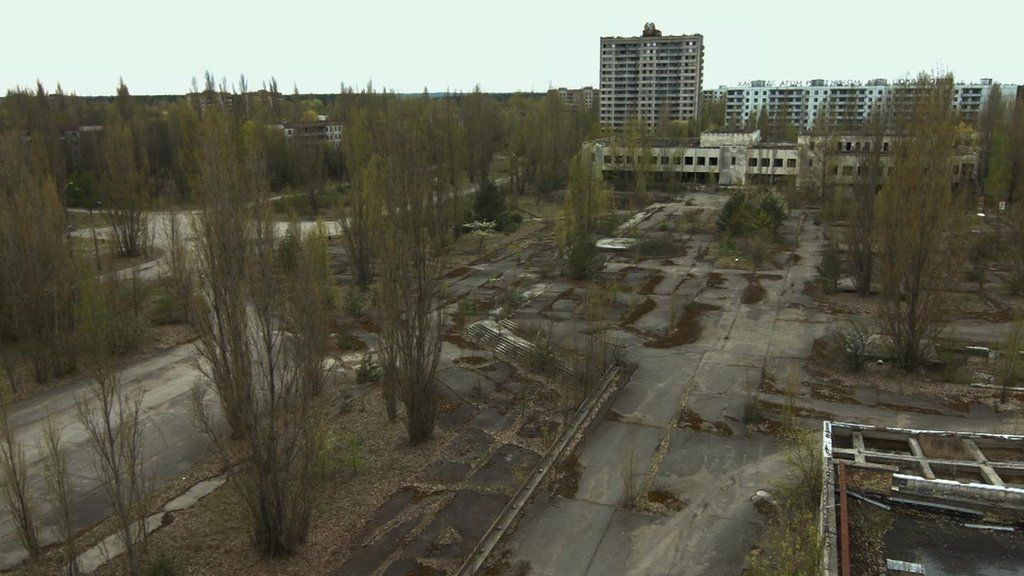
column 953, row 501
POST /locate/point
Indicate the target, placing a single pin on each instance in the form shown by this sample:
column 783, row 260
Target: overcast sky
column 158, row 47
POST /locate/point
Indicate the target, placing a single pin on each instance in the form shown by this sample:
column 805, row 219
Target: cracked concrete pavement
column 594, row 533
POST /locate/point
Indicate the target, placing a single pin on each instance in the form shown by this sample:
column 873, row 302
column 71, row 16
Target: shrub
column 583, row 260
column 544, row 356
column 745, row 213
column 354, row 302
column 752, row 412
column 368, row 370
column 849, row 344
column 162, row 564
column 773, row 206
column 830, row 270
column 166, row 309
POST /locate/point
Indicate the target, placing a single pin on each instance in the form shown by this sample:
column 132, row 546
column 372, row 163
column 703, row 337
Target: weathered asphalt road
column 172, row 444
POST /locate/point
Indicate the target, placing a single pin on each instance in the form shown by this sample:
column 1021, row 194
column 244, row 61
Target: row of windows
column 664, row 160
column 704, row 161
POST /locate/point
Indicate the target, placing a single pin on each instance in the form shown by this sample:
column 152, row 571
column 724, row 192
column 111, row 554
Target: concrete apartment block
column 654, row 77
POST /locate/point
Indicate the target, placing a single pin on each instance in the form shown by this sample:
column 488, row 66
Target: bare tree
column 17, row 498
column 178, row 268
column 309, row 166
column 410, row 277
column 482, row 119
column 366, row 175
column 918, row 237
column 821, row 152
column 57, row 476
column 1009, row 369
column 112, row 418
column 861, row 230
column 125, row 188
column 221, row 231
column 263, row 343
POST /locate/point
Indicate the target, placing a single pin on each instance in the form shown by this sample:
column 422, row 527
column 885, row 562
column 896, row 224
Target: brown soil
column 638, row 312
column 621, row 274
column 472, row 360
column 500, row 565
column 798, row 411
column 613, row 416
column 758, row 277
column 687, row 329
column 753, row 293
column 650, row 284
column 567, row 476
column 767, row 384
column 666, row 499
column 457, row 272
column 368, row 325
column 832, row 391
column 715, row 280
column 690, row 420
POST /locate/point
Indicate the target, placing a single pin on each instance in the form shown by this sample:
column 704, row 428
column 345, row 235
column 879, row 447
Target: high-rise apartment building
column 848, row 102
column 654, row 77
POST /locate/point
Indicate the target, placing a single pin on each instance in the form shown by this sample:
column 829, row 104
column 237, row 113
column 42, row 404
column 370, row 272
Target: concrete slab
column 459, row 526
column 558, row 537
column 507, row 467
column 604, row 457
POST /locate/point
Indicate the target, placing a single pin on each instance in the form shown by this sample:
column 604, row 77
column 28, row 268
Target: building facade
column 654, row 77
column 849, row 102
column 738, row 158
column 578, row 98
column 322, row 130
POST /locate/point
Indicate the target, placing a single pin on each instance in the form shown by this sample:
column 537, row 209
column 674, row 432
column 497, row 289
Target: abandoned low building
column 741, row 158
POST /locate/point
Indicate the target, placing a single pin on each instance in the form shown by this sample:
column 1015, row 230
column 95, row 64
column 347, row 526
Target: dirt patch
column 457, row 272
column 613, row 416
column 500, row 565
column 567, row 476
column 687, row 329
column 650, row 284
column 758, row 277
column 908, row 408
column 621, row 274
column 637, row 312
column 666, row 499
column 690, row 420
column 768, row 383
column 832, row 391
column 472, row 360
column 368, row 325
column 715, row 280
column 753, row 293
column 798, row 411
